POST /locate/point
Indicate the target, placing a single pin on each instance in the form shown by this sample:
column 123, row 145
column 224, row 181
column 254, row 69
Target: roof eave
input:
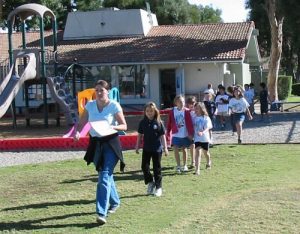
column 171, row 62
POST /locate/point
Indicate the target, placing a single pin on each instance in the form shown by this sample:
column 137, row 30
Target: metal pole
column 54, row 26
column 25, row 84
column 74, row 77
column 43, row 71
column 11, row 59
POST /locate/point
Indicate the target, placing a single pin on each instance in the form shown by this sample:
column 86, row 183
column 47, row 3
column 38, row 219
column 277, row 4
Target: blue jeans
column 106, row 194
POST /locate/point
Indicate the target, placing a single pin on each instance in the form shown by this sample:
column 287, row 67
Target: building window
column 133, row 81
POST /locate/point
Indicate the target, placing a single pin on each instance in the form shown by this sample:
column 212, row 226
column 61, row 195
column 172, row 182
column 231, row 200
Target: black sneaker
column 239, row 141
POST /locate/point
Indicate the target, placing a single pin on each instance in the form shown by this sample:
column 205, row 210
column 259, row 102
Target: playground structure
column 61, row 94
column 28, row 67
column 34, row 64
column 12, row 83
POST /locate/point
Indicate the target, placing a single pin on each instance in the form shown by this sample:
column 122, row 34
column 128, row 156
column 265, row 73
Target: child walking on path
column 239, row 107
column 264, row 102
column 211, row 109
column 202, row 126
column 181, row 125
column 152, row 131
column 222, row 100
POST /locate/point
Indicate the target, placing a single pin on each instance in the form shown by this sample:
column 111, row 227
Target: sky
column 232, row 10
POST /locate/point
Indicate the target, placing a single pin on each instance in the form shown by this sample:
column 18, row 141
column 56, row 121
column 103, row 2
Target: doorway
column 167, row 87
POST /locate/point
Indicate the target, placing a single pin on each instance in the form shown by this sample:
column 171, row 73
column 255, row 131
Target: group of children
column 190, row 127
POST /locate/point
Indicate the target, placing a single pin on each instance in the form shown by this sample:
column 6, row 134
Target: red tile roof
column 170, row 43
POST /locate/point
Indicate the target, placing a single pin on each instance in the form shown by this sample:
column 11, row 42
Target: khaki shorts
column 223, row 113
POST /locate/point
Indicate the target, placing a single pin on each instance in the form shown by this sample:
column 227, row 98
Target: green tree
column 125, row 4
column 258, row 15
column 59, row 8
column 87, row 5
column 171, row 11
column 209, row 15
column 291, row 38
column 290, row 61
column 167, row 11
column 7, row 6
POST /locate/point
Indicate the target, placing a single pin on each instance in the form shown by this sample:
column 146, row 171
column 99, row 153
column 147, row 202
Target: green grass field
column 250, row 189
column 293, row 98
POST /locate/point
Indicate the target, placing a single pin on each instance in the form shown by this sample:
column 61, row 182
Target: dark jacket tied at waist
column 113, row 141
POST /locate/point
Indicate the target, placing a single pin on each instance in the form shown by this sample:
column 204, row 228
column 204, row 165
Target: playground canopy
column 27, row 10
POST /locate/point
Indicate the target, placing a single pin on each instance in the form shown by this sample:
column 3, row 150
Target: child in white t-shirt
column 181, row 126
column 222, row 100
column 239, row 108
column 202, row 125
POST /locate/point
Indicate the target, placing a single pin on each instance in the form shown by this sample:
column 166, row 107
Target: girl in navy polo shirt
column 152, row 130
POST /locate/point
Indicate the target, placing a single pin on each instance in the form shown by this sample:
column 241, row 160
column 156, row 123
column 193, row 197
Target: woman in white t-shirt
column 239, row 107
column 104, row 150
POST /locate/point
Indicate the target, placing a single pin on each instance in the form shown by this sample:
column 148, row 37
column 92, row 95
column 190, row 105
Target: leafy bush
column 284, row 87
column 296, row 89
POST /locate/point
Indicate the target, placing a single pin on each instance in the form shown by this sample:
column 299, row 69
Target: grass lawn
column 293, row 98
column 251, row 188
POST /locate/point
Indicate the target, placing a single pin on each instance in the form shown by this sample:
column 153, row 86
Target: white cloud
column 232, row 10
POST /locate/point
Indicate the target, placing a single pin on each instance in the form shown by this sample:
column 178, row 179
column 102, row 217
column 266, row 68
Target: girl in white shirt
column 222, row 100
column 202, row 125
column 239, row 107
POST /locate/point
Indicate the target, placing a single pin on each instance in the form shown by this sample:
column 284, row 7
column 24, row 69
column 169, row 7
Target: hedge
column 284, row 87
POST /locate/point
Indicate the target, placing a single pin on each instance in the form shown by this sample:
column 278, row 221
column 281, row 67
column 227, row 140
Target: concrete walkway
column 283, row 127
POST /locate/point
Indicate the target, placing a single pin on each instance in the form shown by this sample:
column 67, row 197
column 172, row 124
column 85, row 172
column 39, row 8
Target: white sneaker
column 185, row 168
column 101, row 219
column 150, row 188
column 178, row 169
column 197, row 172
column 158, row 192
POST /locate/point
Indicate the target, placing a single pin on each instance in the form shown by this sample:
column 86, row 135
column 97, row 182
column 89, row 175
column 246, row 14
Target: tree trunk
column 276, row 48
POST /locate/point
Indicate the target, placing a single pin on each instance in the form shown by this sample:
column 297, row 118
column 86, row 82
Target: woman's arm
column 82, row 122
column 122, row 125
